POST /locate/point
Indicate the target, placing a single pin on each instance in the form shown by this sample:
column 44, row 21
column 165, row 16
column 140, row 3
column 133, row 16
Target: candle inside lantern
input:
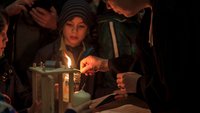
column 66, row 87
column 80, row 97
column 69, row 62
column 71, row 76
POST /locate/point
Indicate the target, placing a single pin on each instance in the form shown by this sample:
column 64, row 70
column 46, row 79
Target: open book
column 127, row 108
column 102, row 100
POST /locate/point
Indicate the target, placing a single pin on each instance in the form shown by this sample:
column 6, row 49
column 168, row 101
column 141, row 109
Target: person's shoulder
column 70, row 111
column 6, row 108
column 90, row 48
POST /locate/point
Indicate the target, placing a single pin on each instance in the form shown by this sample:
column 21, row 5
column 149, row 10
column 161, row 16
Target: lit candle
column 71, row 76
column 66, row 87
column 80, row 97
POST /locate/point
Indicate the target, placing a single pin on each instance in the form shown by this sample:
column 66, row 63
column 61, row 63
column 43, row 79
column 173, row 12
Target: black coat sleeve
column 124, row 64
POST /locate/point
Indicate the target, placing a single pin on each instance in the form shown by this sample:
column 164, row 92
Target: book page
column 98, row 101
column 128, row 108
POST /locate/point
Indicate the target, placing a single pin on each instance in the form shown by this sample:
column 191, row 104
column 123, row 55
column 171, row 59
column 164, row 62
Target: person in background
column 74, row 25
column 168, row 33
column 11, row 89
column 31, row 27
column 116, row 35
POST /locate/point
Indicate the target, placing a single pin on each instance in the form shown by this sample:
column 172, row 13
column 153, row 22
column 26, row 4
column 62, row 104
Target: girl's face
column 3, row 39
column 74, row 31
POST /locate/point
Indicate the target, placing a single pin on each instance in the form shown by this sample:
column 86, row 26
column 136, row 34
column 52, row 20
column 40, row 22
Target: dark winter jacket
column 169, row 65
column 18, row 95
column 116, row 35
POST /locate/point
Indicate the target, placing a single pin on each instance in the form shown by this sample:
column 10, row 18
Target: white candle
column 66, row 87
column 80, row 97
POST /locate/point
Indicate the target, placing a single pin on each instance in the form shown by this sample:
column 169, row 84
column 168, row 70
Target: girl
column 11, row 89
column 75, row 22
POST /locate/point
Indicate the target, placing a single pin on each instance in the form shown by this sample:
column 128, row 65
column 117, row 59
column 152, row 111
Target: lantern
column 53, row 86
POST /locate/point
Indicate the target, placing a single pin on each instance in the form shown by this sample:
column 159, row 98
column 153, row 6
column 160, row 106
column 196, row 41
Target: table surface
column 131, row 99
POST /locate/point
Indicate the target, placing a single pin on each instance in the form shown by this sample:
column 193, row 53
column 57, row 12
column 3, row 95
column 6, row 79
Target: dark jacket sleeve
column 23, row 93
column 70, row 111
column 21, row 96
column 124, row 64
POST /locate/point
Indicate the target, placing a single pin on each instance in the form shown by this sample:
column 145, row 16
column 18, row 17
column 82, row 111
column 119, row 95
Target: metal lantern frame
column 44, row 87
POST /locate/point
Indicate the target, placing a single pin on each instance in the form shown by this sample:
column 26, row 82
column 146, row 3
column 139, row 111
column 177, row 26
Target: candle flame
column 69, row 62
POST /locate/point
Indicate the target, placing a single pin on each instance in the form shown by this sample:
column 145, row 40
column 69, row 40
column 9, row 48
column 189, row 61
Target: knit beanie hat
column 72, row 8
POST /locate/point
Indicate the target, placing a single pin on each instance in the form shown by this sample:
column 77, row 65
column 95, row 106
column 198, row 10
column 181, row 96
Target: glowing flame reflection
column 69, row 62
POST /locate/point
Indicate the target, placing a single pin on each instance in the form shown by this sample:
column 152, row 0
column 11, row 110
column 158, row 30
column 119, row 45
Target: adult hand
column 45, row 18
column 92, row 64
column 128, row 81
column 83, row 108
column 18, row 6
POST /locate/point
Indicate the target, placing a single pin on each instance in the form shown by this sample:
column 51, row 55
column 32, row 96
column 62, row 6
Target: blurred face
column 128, row 8
column 3, row 39
column 74, row 31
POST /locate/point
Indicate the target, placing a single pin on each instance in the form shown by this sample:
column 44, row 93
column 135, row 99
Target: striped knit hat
column 73, row 8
